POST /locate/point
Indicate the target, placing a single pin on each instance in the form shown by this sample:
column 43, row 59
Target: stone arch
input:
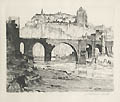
column 22, row 47
column 99, row 47
column 73, row 48
column 89, row 50
column 38, row 51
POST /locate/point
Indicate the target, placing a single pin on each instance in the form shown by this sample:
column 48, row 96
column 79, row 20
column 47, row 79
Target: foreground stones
column 51, row 80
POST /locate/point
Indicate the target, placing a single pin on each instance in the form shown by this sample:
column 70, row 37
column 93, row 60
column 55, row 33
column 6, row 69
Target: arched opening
column 22, row 48
column 99, row 47
column 64, row 52
column 38, row 52
column 89, row 51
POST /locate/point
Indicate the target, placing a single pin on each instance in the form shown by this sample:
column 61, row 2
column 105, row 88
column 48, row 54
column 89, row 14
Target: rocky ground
column 55, row 80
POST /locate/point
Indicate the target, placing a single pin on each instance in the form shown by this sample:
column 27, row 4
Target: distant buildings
column 80, row 18
column 62, row 26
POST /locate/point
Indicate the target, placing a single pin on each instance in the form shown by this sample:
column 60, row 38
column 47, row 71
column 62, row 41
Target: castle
column 61, row 25
column 80, row 18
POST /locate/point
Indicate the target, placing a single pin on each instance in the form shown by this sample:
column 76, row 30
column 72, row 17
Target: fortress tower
column 81, row 17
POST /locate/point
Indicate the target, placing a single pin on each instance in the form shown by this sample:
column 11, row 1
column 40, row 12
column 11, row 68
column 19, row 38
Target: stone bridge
column 79, row 46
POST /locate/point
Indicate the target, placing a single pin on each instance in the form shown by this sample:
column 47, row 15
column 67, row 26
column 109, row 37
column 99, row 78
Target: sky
column 98, row 11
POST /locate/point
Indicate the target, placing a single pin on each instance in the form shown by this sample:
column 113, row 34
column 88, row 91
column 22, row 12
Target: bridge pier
column 47, row 56
column 81, row 52
column 28, row 49
column 48, row 51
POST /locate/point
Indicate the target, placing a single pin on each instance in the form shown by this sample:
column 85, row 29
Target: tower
column 42, row 12
column 12, row 33
column 81, row 17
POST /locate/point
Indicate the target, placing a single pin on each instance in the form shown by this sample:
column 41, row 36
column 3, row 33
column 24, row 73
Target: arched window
column 22, row 47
